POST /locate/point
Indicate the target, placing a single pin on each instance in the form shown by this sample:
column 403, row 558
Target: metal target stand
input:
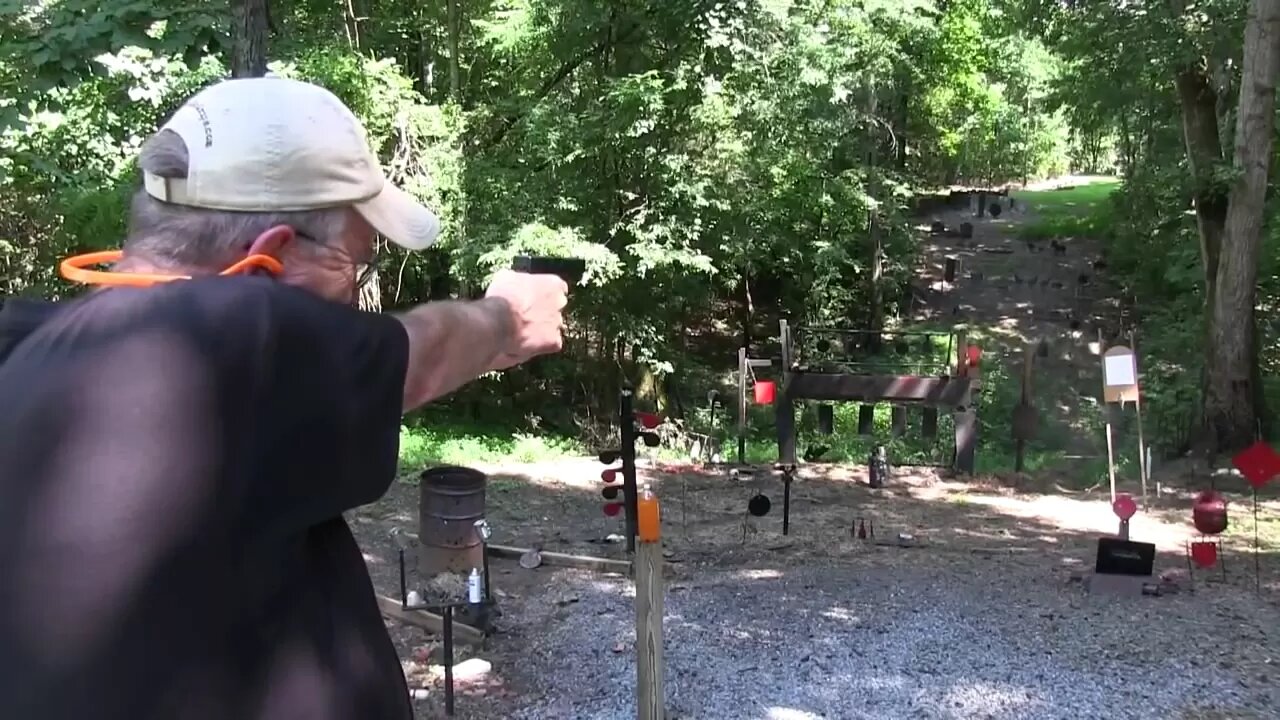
column 482, row 605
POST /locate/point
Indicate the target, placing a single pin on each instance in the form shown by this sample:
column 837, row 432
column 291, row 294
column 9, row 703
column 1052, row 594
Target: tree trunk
column 351, row 23
column 249, row 27
column 873, row 225
column 1204, row 151
column 455, row 34
column 1232, row 392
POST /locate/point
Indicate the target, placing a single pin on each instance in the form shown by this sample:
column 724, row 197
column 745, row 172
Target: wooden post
column 1106, row 409
column 650, row 591
column 1142, row 445
column 742, row 405
column 1028, row 358
column 784, row 407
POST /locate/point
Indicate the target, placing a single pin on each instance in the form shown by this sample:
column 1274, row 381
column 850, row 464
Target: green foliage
column 59, row 44
column 421, row 447
column 718, row 165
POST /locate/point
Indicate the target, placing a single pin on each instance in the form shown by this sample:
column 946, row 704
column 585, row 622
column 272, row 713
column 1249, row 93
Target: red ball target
column 648, row 420
column 612, row 509
column 1124, row 507
column 1209, row 513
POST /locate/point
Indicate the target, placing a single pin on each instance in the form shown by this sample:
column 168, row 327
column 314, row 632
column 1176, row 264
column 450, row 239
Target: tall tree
column 251, row 21
column 1231, row 395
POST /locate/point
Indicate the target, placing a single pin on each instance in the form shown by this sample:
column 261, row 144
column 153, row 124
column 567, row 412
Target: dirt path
column 1011, row 292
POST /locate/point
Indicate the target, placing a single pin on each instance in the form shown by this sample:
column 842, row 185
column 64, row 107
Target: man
column 176, row 454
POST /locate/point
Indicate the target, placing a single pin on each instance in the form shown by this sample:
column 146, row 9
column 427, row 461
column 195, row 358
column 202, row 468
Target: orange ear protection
column 76, row 269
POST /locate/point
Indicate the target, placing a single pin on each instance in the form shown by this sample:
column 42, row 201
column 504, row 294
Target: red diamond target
column 1258, row 463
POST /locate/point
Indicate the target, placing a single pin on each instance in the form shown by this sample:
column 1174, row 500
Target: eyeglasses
column 364, row 271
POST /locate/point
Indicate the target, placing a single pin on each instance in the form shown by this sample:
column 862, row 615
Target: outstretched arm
column 452, row 343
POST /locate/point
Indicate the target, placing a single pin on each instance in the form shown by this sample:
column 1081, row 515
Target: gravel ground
column 873, row 642
column 987, row 620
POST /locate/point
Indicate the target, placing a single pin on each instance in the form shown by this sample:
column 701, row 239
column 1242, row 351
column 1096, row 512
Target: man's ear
column 272, row 241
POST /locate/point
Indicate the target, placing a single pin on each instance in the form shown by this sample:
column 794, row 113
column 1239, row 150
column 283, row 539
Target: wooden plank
column 650, row 665
column 585, row 562
column 946, row 392
column 427, row 620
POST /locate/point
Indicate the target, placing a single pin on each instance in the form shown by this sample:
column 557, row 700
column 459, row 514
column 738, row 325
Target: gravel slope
column 875, row 642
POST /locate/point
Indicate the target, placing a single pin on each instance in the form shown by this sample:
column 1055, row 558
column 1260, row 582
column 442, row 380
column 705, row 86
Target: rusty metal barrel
column 451, row 500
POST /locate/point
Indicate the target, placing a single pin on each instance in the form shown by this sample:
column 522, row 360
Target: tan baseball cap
column 271, row 144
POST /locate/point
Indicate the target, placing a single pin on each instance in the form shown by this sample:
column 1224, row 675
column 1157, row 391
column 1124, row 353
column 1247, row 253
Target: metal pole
column 786, row 500
column 404, row 589
column 448, row 660
column 627, row 419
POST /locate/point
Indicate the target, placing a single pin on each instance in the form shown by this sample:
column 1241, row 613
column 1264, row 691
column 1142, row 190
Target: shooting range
column 830, row 461
column 919, row 359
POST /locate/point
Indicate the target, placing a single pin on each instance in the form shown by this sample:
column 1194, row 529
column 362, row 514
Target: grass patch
column 1080, row 210
column 1240, row 530
column 442, row 444
column 845, row 444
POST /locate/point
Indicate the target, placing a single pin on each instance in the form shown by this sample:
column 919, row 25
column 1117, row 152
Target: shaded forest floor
column 984, row 614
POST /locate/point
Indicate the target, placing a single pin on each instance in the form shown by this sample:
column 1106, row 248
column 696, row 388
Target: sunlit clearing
column 760, row 574
column 778, row 713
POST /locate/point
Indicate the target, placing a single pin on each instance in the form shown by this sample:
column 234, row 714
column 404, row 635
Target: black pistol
column 570, row 270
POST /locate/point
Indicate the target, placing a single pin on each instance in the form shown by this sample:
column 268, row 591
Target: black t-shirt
column 174, row 465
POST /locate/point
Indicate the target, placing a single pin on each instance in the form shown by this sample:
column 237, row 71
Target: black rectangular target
column 929, row 422
column 1124, row 557
column 899, row 420
column 949, row 272
column 866, row 419
column 826, row 419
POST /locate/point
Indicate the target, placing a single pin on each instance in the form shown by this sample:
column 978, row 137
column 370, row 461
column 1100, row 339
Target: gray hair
column 182, row 236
